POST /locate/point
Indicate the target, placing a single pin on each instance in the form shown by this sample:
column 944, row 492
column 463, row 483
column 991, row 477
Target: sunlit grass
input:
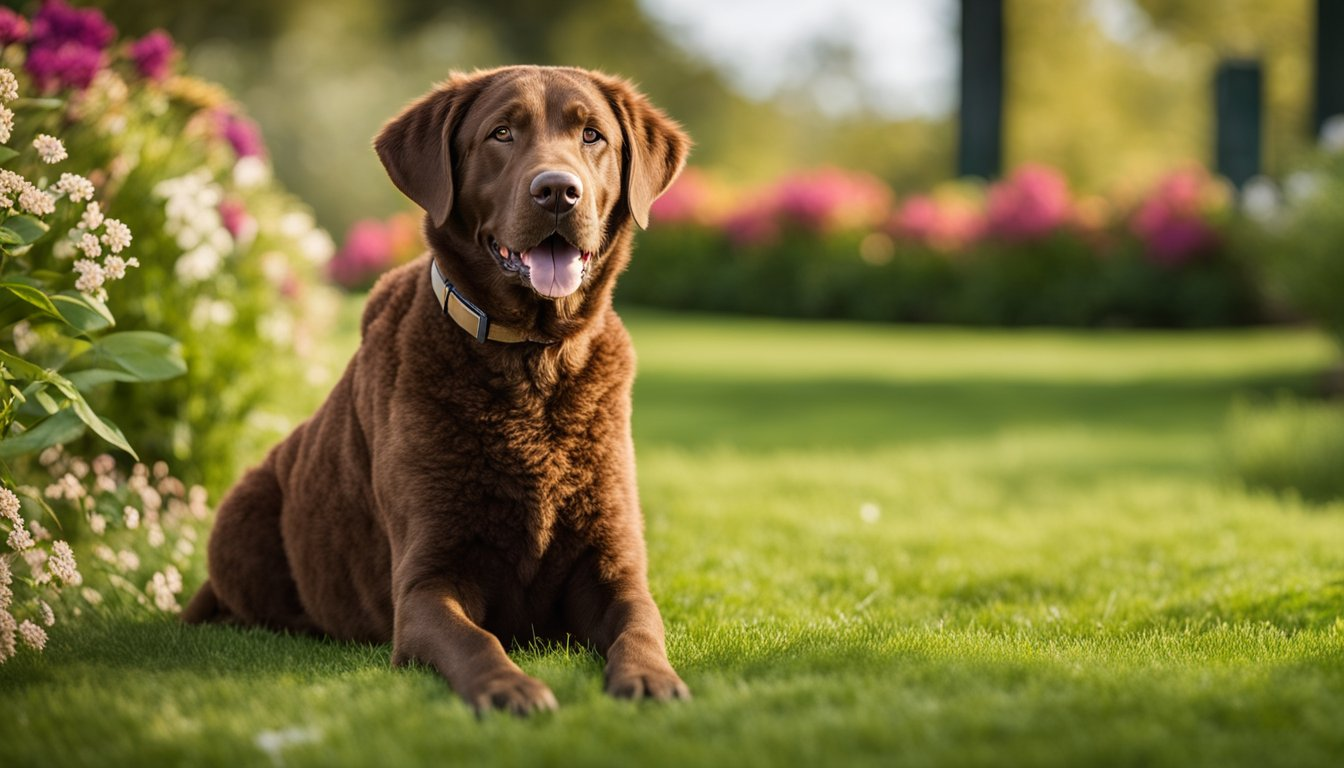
column 872, row 546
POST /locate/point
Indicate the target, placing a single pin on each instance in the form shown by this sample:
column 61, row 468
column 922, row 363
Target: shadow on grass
column 154, row 646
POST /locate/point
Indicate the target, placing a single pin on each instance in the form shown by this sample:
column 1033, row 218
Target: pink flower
column 242, row 134
column 13, row 27
column 946, row 226
column 1028, row 205
column 67, row 46
column 236, row 219
column 153, row 55
column 689, row 199
column 1171, row 221
column 371, row 247
column 823, row 200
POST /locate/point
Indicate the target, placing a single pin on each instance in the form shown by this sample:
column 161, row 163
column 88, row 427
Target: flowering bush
column 1024, row 250
column 1296, row 235
column 57, row 253
column 373, row 246
column 138, row 533
column 226, row 258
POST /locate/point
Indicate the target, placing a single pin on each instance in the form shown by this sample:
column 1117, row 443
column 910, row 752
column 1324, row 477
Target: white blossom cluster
column 191, row 203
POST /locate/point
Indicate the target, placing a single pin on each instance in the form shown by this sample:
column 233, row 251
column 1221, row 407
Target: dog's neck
column 480, row 283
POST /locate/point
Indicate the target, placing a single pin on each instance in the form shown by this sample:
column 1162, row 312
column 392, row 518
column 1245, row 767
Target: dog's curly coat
column 451, row 494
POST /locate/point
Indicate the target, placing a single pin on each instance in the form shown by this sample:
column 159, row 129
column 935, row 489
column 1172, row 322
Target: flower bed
column 1022, row 251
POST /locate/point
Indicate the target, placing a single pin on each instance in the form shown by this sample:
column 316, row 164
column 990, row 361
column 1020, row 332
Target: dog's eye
column 502, row 134
column 591, row 136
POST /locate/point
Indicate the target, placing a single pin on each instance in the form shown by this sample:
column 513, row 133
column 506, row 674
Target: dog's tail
column 204, row 606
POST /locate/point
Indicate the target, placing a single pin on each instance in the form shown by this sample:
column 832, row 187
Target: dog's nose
column 557, row 191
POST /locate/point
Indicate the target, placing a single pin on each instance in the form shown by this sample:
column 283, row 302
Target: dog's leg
column 433, row 626
column 622, row 621
column 249, row 571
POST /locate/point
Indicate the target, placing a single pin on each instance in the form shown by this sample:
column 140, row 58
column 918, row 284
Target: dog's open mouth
column 555, row 268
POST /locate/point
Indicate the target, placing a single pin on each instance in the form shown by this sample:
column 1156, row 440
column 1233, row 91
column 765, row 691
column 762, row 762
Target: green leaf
column 63, row 427
column 100, row 426
column 92, row 377
column 34, row 296
column 26, row 228
column 144, row 355
column 83, row 313
column 7, row 154
column 9, row 236
column 23, row 369
column 36, row 104
column 48, row 403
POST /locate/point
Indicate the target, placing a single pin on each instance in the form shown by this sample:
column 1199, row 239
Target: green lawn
column 872, row 546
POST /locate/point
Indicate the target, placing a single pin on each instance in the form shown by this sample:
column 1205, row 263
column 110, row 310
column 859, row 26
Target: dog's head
column 535, row 172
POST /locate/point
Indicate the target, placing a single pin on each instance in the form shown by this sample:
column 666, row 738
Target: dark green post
column 1237, row 87
column 1329, row 62
column 980, row 123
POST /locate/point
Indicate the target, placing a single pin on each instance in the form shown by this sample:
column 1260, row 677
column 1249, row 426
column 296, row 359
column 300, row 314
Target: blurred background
column 1110, row 92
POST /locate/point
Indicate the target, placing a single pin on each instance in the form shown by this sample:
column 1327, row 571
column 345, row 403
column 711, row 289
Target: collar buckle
column 482, row 330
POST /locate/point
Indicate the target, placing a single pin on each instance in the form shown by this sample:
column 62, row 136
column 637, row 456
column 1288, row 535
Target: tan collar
column 468, row 315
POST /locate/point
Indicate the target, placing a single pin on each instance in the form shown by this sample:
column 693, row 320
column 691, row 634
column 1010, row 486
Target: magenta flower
column 67, row 45
column 689, row 199
column 946, row 226
column 366, row 253
column 830, row 198
column 1171, row 221
column 242, row 134
column 235, row 218
column 1029, row 204
column 153, row 55
column 13, row 27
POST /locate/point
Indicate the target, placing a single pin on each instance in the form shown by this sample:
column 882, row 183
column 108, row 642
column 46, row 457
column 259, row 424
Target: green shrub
column 1289, row 445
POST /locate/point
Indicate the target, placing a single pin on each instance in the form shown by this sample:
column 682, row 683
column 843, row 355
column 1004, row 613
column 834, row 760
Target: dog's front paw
column 656, row 684
column 511, row 691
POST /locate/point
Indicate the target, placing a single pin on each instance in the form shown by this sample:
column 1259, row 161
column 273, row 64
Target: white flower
column 7, row 630
column 89, row 245
column 62, row 564
column 160, row 588
column 250, row 171
column 39, row 533
column 132, row 517
column 6, row 578
column 155, row 536
column 49, row 148
column 65, row 249
column 1260, row 199
column 20, row 539
column 6, row 124
column 48, row 617
column 97, row 524
column 25, row 338
column 32, row 635
column 114, row 267
column 9, row 506
column 91, row 275
column 75, row 187
column 317, row 246
column 1332, row 134
column 9, row 86
column 116, row 235
column 36, row 202
column 1301, row 186
column 91, row 596
column 198, row 265
column 93, row 216
column 128, row 561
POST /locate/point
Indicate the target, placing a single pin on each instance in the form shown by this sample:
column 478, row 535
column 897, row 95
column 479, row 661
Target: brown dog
column 471, row 477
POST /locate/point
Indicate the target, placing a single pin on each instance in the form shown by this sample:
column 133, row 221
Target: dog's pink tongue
column 556, row 267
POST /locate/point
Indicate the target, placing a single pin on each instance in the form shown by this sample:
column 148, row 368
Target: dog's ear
column 655, row 146
column 416, row 146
